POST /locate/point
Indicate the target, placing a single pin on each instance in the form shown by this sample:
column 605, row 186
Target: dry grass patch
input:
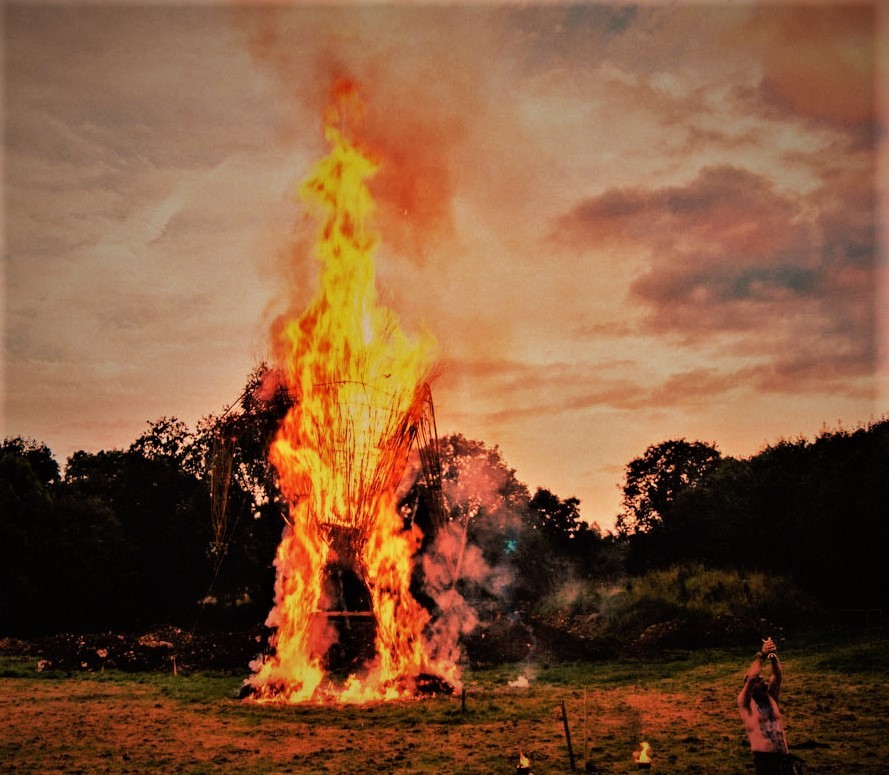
column 685, row 707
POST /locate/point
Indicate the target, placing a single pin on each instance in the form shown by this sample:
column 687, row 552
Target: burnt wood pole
column 568, row 736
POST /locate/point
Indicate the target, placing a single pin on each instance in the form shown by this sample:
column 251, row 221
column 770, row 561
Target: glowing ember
column 358, row 382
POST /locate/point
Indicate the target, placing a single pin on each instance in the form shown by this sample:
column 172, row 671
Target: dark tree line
column 814, row 512
column 126, row 539
column 114, row 543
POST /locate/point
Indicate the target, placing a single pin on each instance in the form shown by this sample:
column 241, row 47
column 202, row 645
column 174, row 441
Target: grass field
column 836, row 702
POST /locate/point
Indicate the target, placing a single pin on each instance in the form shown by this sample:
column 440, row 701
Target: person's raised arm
column 770, row 651
column 752, row 673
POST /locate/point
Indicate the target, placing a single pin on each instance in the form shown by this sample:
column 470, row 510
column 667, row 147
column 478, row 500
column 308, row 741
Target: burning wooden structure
column 359, row 404
column 256, row 415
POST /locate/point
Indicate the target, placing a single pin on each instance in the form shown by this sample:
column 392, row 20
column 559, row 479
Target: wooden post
column 568, row 736
column 463, row 700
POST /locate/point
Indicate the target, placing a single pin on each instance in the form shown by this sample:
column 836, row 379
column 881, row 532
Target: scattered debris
column 152, row 651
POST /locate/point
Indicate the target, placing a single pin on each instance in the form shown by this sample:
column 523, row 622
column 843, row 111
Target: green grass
column 679, row 592
column 683, row 704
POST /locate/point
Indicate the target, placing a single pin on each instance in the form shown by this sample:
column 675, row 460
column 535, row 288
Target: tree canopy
column 126, row 538
column 654, row 481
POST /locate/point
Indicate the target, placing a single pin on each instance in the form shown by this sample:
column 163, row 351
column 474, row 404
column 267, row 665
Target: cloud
column 139, row 175
column 609, row 218
column 729, row 253
column 511, row 390
column 694, row 387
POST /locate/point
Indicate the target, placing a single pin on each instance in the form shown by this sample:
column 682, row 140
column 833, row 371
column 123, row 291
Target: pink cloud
column 511, row 390
column 729, row 253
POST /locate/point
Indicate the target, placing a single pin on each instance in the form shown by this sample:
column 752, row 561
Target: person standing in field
column 758, row 706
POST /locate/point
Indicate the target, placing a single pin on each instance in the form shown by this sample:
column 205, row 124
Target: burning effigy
column 359, row 388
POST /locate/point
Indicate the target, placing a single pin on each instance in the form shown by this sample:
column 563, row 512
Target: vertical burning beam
column 294, row 673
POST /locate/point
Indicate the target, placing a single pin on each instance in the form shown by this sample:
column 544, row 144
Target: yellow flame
column 342, row 449
column 643, row 756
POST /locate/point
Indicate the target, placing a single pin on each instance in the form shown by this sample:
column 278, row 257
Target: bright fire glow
column 343, row 447
column 643, row 756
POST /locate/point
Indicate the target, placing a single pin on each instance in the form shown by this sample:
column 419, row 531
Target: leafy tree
column 244, row 432
column 556, row 518
column 654, row 481
column 821, row 509
column 36, row 454
column 95, row 472
column 545, row 556
column 716, row 520
column 170, row 438
column 246, row 504
column 28, row 529
column 159, row 512
column 90, row 582
column 560, row 546
column 63, row 557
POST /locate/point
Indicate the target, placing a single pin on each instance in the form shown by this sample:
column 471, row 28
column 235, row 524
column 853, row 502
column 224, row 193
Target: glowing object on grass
column 643, row 756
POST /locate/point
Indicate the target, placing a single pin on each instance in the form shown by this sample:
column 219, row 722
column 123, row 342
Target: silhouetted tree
column 245, row 498
column 28, row 534
column 654, row 480
column 712, row 520
column 823, row 507
column 169, row 438
column 36, row 454
column 162, row 513
column 558, row 519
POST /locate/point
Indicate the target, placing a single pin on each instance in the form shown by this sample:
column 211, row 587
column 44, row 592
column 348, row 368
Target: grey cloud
column 730, row 253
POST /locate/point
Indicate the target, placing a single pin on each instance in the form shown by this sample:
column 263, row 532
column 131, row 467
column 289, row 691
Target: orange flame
column 643, row 756
column 342, row 449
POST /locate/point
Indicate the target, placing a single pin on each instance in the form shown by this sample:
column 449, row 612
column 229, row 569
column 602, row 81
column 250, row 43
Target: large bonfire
column 358, row 383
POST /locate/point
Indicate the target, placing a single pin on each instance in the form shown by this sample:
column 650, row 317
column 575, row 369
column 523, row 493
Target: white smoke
column 466, row 562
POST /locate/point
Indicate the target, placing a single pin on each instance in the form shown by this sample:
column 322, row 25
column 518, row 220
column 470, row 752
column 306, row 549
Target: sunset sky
column 622, row 224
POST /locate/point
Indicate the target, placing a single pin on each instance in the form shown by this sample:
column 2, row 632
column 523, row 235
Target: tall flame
column 342, row 449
